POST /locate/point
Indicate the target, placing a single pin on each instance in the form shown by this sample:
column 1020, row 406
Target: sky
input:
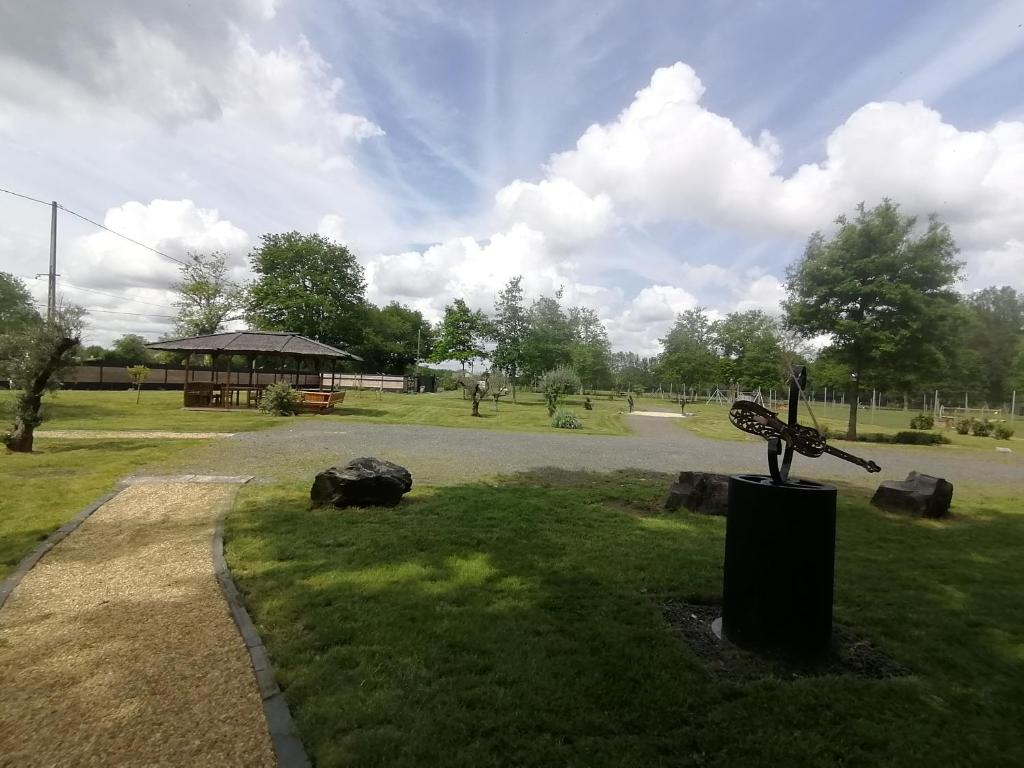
column 646, row 157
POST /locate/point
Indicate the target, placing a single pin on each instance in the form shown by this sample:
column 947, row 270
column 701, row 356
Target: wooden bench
column 320, row 402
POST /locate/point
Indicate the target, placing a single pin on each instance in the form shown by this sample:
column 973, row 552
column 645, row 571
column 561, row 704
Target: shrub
column 564, row 418
column 922, row 421
column 963, row 426
column 558, row 381
column 981, row 428
column 1002, row 432
column 280, row 400
column 920, row 438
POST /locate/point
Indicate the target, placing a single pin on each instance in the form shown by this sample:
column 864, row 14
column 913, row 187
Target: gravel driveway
column 300, row 448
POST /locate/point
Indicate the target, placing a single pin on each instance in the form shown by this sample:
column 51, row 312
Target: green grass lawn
column 75, row 409
column 713, row 421
column 41, row 491
column 448, row 409
column 516, row 623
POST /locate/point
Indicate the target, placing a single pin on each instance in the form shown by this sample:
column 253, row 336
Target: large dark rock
column 365, row 482
column 704, row 492
column 921, row 495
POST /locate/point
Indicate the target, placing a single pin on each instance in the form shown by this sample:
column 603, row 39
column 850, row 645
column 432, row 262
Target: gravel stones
column 363, row 482
column 704, row 492
column 921, row 495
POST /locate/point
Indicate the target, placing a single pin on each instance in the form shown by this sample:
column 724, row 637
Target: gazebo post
column 319, row 378
column 184, row 387
column 298, row 370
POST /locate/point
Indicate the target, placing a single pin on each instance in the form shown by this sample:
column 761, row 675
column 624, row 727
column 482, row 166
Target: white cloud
column 557, row 207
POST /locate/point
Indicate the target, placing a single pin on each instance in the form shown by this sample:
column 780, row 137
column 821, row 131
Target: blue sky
column 649, row 156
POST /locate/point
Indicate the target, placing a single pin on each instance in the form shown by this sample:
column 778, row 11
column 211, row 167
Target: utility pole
column 51, row 297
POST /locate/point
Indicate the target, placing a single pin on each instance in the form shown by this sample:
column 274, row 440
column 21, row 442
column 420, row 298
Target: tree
column 557, row 382
column 548, row 339
column 460, row 334
column 307, row 284
column 138, row 374
column 509, row 329
column 590, row 352
column 16, row 310
column 129, row 349
column 36, row 358
column 882, row 291
column 207, row 297
column 630, row 370
column 993, row 330
column 689, row 355
column 751, row 349
column 390, row 338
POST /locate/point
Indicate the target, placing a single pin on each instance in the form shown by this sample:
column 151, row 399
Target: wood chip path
column 118, row 647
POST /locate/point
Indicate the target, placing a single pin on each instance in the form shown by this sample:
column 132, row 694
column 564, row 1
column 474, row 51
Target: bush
column 558, row 381
column 280, row 400
column 963, row 426
column 922, row 421
column 904, row 438
column 566, row 419
column 1002, row 432
column 981, row 428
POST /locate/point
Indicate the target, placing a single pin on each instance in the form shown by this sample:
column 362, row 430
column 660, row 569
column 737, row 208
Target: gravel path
column 118, row 648
column 298, row 449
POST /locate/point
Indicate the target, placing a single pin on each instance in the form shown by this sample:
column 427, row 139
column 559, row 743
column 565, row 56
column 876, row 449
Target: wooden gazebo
column 250, row 345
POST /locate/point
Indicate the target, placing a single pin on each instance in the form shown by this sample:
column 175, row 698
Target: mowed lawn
column 162, row 410
column 41, row 491
column 516, row 623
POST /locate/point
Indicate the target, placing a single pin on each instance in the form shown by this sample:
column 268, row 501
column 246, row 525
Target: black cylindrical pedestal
column 780, row 546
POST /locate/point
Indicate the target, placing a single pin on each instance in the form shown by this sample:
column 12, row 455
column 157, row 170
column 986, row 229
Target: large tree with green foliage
column 690, row 355
column 881, row 288
column 35, row 357
column 631, row 371
column 549, row 337
column 993, row 330
column 590, row 353
column 751, row 348
column 460, row 334
column 129, row 349
column 508, row 330
column 207, row 297
column 390, row 338
column 307, row 284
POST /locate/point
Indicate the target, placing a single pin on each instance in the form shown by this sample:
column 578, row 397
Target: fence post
column 1013, row 406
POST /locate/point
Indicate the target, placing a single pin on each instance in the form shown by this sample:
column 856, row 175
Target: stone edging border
column 283, row 735
column 8, row 585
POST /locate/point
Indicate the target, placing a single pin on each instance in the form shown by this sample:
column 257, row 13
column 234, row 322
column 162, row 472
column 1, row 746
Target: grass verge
column 517, row 623
column 41, row 491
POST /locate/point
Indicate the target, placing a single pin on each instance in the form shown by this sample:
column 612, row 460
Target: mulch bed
column 851, row 653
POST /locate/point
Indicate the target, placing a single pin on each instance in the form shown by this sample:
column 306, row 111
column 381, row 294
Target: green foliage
column 390, row 338
column 981, row 428
column 751, row 348
column 556, row 382
column 963, row 426
column 564, row 418
column 138, row 374
column 460, row 334
column 689, row 353
column 307, row 284
column 16, row 309
column 904, row 438
column 922, row 421
column 549, row 340
column 590, row 353
column 509, row 328
column 630, row 370
column 280, row 400
column 882, row 291
column 129, row 349
column 207, row 297
column 991, row 334
column 1002, row 432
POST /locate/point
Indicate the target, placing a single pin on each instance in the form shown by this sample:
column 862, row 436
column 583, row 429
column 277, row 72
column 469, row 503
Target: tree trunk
column 851, row 428
column 29, row 402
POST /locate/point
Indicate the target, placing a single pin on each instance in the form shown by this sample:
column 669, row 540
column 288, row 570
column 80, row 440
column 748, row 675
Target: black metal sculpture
column 780, row 538
column 807, row 441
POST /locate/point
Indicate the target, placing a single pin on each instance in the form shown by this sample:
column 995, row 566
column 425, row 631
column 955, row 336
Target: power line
column 97, row 224
column 125, row 237
column 103, row 293
column 26, row 197
column 112, row 312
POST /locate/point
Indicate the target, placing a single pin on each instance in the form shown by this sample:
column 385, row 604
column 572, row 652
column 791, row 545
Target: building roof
column 254, row 343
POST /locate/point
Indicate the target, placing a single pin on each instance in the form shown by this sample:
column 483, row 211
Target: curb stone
column 284, row 736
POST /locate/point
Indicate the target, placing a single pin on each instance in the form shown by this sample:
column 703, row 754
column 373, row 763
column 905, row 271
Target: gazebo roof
column 254, row 343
